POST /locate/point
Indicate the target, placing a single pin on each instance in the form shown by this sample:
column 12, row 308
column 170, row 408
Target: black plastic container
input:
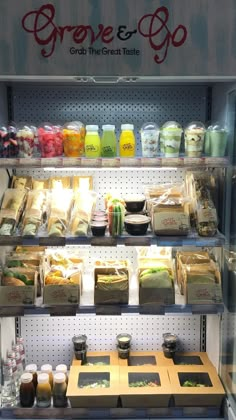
column 81, row 355
column 123, row 353
column 135, row 203
column 98, row 228
column 137, row 224
column 79, row 342
column 124, row 341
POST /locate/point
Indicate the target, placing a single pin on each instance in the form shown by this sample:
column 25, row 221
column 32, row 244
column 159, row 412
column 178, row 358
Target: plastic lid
column 137, row 219
column 26, row 378
column 124, row 337
column 43, row 378
column 217, row 127
column 73, row 126
column 172, row 125
column 195, row 125
column 127, row 127
column 150, row 126
column 31, row 368
column 59, row 378
column 109, row 127
column 61, row 368
column 134, row 197
column 91, row 127
column 46, row 368
column 79, row 339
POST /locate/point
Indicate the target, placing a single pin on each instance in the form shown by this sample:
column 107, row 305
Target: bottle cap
column 108, row 127
column 43, row 378
column 46, row 368
column 91, row 127
column 61, row 368
column 127, row 127
column 26, row 378
column 59, row 378
column 31, row 368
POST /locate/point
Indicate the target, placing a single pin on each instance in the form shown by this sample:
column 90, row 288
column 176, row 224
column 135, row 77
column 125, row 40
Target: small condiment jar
column 59, row 390
column 48, row 369
column 62, row 369
column 33, row 369
column 43, row 392
column 27, row 392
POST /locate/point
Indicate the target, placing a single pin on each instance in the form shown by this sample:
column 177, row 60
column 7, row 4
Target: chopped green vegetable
column 142, row 384
column 193, row 384
column 99, row 384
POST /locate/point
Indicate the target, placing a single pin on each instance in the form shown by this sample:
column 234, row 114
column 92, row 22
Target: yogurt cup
column 194, row 136
column 171, row 135
column 149, row 139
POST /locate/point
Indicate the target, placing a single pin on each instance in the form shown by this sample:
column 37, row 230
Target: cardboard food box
column 193, row 358
column 63, row 294
column 109, row 358
column 146, row 358
column 96, row 397
column 144, row 396
column 210, row 395
column 170, row 220
column 112, row 296
column 203, row 293
column 11, row 295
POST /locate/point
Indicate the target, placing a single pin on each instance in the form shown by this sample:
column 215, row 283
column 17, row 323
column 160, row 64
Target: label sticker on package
column 71, row 162
column 51, row 162
column 91, row 163
column 110, row 162
column 171, row 221
column 207, row 215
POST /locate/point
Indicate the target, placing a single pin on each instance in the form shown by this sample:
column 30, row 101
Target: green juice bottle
column 108, row 142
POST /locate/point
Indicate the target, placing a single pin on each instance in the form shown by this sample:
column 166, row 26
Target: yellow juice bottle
column 127, row 141
column 92, row 142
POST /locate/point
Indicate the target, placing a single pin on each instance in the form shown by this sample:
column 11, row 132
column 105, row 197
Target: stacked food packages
column 198, row 277
column 111, row 279
column 169, row 209
column 62, row 273
column 116, row 214
column 155, row 276
column 201, row 187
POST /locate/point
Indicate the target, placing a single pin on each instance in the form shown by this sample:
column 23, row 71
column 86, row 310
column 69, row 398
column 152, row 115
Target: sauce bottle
column 48, row 369
column 27, row 391
column 62, row 369
column 33, row 369
column 92, row 142
column 108, row 141
column 43, row 391
column 127, row 141
column 59, row 390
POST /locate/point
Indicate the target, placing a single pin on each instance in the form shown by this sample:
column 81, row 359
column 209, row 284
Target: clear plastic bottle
column 127, row 141
column 62, row 369
column 8, row 388
column 11, row 356
column 27, row 391
column 59, row 390
column 16, row 349
column 48, row 369
column 108, row 141
column 20, row 342
column 43, row 392
column 92, row 142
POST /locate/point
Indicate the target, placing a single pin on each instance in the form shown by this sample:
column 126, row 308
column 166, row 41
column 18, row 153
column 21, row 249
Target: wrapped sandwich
column 34, row 211
column 11, row 210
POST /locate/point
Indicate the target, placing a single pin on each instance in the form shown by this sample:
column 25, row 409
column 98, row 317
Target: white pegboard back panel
column 48, row 339
column 109, row 104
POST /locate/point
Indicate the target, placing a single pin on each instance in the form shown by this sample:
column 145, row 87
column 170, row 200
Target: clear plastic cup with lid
column 25, row 139
column 194, row 135
column 124, row 341
column 217, row 135
column 73, row 135
column 170, row 139
column 149, row 139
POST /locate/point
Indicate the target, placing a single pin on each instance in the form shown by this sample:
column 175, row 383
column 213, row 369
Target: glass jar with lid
column 73, row 134
column 48, row 369
column 43, row 391
column 170, row 139
column 149, row 138
column 194, row 135
column 59, row 390
column 92, row 142
column 27, row 391
column 108, row 141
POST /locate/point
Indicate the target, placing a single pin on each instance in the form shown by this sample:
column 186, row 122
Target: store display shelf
column 139, row 162
column 106, row 413
column 193, row 239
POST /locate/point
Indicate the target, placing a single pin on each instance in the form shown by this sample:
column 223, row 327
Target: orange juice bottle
column 127, row 141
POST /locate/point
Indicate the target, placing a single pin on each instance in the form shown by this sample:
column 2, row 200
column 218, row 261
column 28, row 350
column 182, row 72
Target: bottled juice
column 92, row 142
column 108, row 141
column 127, row 141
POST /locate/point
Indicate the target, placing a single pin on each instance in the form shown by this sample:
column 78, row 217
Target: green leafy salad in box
column 160, row 276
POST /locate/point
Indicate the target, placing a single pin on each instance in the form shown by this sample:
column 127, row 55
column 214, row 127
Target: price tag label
column 8, row 162
column 103, row 241
column 172, row 162
column 217, row 162
column 191, row 161
column 71, row 162
column 130, row 162
column 32, row 162
column 152, row 309
column 137, row 241
column 52, row 241
column 110, row 163
column 108, row 310
column 150, row 162
column 54, row 162
column 11, row 311
column 69, row 310
column 10, row 240
column 91, row 163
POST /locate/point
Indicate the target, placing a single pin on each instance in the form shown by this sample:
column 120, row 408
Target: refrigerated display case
column 39, row 92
